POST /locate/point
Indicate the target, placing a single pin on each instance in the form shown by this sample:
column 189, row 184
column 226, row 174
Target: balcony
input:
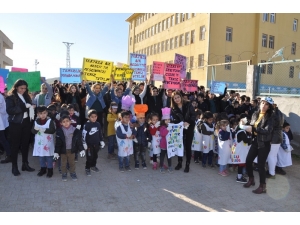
column 7, row 43
column 7, row 61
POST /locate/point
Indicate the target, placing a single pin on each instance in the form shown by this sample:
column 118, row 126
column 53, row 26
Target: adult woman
column 262, row 127
column 45, row 97
column 182, row 111
column 19, row 110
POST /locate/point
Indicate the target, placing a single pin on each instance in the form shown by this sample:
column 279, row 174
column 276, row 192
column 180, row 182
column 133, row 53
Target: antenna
column 68, row 61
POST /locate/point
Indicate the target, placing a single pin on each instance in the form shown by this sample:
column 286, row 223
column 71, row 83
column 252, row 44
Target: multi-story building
column 5, row 43
column 215, row 38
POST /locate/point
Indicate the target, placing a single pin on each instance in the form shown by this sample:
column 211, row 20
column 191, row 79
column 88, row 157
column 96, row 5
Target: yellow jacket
column 111, row 119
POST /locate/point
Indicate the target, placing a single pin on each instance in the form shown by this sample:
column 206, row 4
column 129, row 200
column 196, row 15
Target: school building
column 216, row 38
column 5, row 43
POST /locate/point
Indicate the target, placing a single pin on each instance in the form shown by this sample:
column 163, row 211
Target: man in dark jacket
column 154, row 100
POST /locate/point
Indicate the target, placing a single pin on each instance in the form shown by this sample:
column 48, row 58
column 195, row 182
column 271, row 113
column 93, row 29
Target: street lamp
column 36, row 63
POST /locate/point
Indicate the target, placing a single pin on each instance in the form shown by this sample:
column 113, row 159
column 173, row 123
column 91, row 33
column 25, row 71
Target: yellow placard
column 123, row 74
column 96, row 70
column 125, row 66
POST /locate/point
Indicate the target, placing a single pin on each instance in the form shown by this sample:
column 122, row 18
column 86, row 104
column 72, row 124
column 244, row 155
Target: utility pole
column 68, row 61
column 36, row 63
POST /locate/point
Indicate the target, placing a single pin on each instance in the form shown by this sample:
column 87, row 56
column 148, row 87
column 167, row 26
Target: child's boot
column 50, row 172
column 42, row 171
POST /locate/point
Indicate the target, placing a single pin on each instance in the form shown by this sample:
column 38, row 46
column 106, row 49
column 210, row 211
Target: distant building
column 5, row 43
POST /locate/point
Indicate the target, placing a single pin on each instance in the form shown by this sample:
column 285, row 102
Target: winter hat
column 127, row 102
column 268, row 100
column 166, row 113
column 140, row 110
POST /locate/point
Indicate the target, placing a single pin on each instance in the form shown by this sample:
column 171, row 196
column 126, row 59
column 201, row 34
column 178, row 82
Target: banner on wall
column 32, row 78
column 96, row 70
column 138, row 64
column 172, row 76
column 189, row 85
column 181, row 60
column 70, row 75
column 175, row 139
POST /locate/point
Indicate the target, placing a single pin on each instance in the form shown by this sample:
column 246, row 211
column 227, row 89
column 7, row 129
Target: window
column 192, row 36
column 200, row 60
column 172, row 21
column 154, row 52
column 187, row 38
column 130, row 43
column 181, row 41
column 271, row 42
column 182, row 17
column 168, row 23
column 263, row 67
column 152, row 30
column 202, row 33
column 187, row 62
column 151, row 50
column 176, row 42
column 187, row 16
column 177, row 16
column 171, row 43
column 270, row 69
column 272, row 17
column 291, row 73
column 158, row 48
column 137, row 38
column 293, row 50
column 264, row 40
column 134, row 39
column 146, row 16
column 162, row 46
column 167, row 45
column 148, row 50
column 143, row 35
column 163, row 25
column 159, row 27
column 265, row 17
column 227, row 60
column 149, row 32
column 146, row 34
column 191, row 61
column 295, row 25
column 228, row 34
column 193, row 14
column 155, row 29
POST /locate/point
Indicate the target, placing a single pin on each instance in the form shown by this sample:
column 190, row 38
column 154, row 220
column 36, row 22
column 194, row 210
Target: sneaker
column 245, row 175
column 88, row 172
column 243, row 180
column 144, row 165
column 170, row 170
column 196, row 161
column 95, row 169
column 127, row 168
column 211, row 166
column 136, row 166
column 268, row 175
column 162, row 170
column 280, row 171
column 223, row 174
column 121, row 170
column 64, row 177
column 73, row 176
column 165, row 167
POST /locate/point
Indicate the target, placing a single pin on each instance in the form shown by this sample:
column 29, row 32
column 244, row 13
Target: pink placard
column 181, row 59
column 2, row 85
column 15, row 69
column 158, row 68
column 172, row 76
column 189, row 85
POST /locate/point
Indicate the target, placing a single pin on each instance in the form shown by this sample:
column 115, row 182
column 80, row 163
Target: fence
column 233, row 73
column 279, row 78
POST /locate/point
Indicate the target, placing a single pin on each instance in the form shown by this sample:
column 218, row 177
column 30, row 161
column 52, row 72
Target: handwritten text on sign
column 189, row 85
column 123, row 74
column 32, row 78
column 138, row 64
column 158, row 68
column 180, row 59
column 70, row 75
column 172, row 76
column 217, row 87
column 175, row 140
column 96, row 70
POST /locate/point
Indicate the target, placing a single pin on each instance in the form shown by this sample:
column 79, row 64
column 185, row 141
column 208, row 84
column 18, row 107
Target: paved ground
column 141, row 190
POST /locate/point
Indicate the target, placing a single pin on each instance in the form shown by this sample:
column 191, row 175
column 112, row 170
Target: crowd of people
column 64, row 121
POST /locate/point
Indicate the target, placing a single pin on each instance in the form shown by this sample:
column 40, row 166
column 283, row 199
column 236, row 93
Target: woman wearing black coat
column 182, row 111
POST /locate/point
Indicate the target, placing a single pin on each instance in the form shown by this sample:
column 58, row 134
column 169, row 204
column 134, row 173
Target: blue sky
column 40, row 36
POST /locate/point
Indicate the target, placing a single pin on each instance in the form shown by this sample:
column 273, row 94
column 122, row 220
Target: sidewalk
column 200, row 190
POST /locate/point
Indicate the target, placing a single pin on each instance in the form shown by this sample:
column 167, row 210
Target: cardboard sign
column 189, row 85
column 158, row 68
column 16, row 69
column 172, row 76
column 175, row 139
column 217, row 87
column 180, row 59
column 138, row 64
column 96, row 70
column 4, row 73
column 157, row 77
column 32, row 78
column 123, row 74
column 2, row 84
column 70, row 75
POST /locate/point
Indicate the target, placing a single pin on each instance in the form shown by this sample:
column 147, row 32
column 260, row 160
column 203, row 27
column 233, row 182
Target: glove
column 169, row 128
column 135, row 140
column 157, row 124
column 76, row 113
column 102, row 144
column 28, row 105
column 78, row 127
column 42, row 130
column 57, row 116
column 85, row 146
column 82, row 153
column 36, row 128
column 56, row 156
column 149, row 144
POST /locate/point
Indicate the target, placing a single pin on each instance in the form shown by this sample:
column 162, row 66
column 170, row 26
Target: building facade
column 216, row 38
column 5, row 43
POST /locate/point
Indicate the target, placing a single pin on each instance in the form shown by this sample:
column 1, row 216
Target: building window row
column 266, row 17
column 264, row 41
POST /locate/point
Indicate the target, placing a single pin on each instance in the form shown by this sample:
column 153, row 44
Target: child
column 163, row 129
column 74, row 118
column 112, row 117
column 284, row 157
column 224, row 142
column 197, row 140
column 125, row 135
column 143, row 136
column 91, row 137
column 207, row 130
column 68, row 142
column 44, row 128
column 154, row 131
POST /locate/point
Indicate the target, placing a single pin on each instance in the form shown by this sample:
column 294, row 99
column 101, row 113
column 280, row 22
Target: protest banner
column 96, row 70
column 189, row 85
column 122, row 65
column 16, row 69
column 157, row 77
column 217, row 87
column 180, row 59
column 32, row 78
column 175, row 139
column 4, row 73
column 123, row 74
column 172, row 76
column 158, row 70
column 70, row 75
column 138, row 64
column 2, row 84
column 126, row 66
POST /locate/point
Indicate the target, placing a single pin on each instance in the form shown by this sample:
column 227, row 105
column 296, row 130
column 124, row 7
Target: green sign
column 32, row 78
